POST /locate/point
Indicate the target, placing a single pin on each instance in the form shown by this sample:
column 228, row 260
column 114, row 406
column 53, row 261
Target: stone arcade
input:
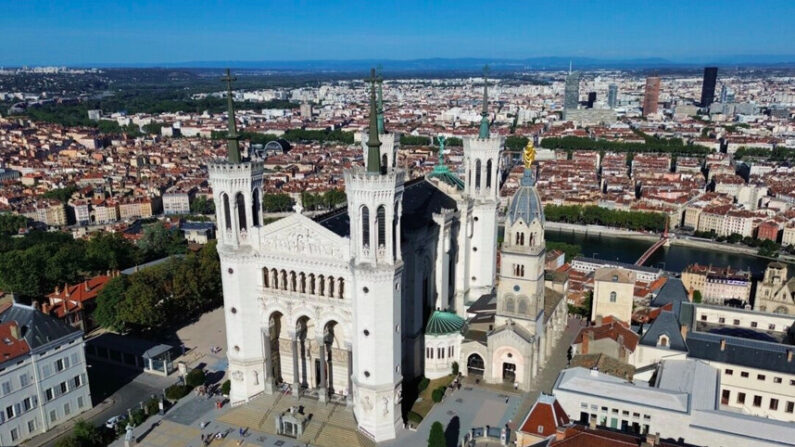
column 348, row 304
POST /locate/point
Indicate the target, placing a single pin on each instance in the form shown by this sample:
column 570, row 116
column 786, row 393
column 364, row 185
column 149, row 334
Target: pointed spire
column 232, row 143
column 484, row 120
column 381, row 129
column 373, row 143
column 569, row 66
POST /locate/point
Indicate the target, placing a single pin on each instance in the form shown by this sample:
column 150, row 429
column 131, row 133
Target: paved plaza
column 332, row 424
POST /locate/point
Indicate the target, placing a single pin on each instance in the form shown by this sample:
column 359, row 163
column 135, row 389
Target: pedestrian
column 506, row 400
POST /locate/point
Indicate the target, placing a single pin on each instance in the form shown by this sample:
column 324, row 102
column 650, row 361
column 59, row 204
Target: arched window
column 312, row 283
column 227, row 214
column 331, row 286
column 340, row 288
column 283, row 279
column 384, row 163
column 662, row 341
column 265, row 277
column 613, row 297
column 255, row 206
column 477, row 174
column 522, row 306
column 488, row 174
column 395, row 233
column 302, row 282
column 381, row 218
column 365, row 227
column 240, row 204
column 292, row 282
column 509, row 305
column 321, row 285
column 275, row 276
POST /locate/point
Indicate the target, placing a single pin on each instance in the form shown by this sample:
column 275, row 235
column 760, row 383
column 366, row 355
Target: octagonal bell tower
column 374, row 206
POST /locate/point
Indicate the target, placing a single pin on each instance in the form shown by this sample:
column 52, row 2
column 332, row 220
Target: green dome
column 442, row 323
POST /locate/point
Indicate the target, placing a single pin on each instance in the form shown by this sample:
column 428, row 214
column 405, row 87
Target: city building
column 612, row 96
column 718, row 284
column 591, row 99
column 708, row 86
column 651, row 95
column 572, row 90
column 177, row 201
column 776, row 292
column 42, row 374
column 614, row 291
column 681, row 402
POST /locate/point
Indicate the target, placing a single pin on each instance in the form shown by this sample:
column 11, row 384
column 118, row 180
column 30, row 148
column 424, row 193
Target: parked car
column 115, row 420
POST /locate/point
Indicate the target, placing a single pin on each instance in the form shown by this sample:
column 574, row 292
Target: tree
column 195, row 377
column 276, row 202
column 436, row 437
column 145, row 305
column 697, row 296
column 108, row 301
column 200, row 205
column 84, row 434
column 11, row 223
column 109, row 251
column 152, row 128
column 158, row 241
column 61, row 194
column 455, row 368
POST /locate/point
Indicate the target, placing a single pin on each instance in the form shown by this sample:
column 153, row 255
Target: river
column 674, row 258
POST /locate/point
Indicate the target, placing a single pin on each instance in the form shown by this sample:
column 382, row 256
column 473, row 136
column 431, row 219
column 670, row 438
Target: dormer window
column 662, row 341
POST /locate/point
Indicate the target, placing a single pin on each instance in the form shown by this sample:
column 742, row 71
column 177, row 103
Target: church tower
column 375, row 207
column 237, row 192
column 481, row 161
column 520, row 294
column 389, row 141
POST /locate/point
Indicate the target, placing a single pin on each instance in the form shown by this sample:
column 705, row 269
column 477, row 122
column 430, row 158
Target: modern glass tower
column 708, row 86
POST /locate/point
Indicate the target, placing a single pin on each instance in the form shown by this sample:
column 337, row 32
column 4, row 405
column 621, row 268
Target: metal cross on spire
column 484, row 120
column 373, row 143
column 381, row 129
column 232, row 143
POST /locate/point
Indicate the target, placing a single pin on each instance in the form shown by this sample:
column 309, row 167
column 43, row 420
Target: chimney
column 723, row 344
column 690, row 294
column 789, row 355
column 37, row 305
column 88, row 289
column 684, row 329
column 586, row 342
column 14, row 330
column 560, row 434
column 66, row 290
column 598, row 320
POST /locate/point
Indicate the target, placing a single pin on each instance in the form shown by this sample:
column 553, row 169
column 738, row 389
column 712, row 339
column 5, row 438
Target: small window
column 736, row 322
column 790, row 407
column 729, row 372
column 760, row 377
column 52, row 416
column 774, row 404
column 757, row 401
column 613, row 297
column 14, row 434
column 721, row 320
column 703, row 318
column 772, row 327
column 754, row 324
column 744, row 374
column 776, row 379
column 740, row 398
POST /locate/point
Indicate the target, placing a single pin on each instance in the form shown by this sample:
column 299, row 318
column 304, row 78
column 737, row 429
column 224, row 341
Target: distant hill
column 469, row 64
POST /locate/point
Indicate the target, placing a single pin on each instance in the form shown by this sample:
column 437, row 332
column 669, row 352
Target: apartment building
column 43, row 379
column 717, row 284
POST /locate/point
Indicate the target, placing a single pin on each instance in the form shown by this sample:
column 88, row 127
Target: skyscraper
column 572, row 90
column 612, row 96
column 651, row 95
column 591, row 99
column 708, row 87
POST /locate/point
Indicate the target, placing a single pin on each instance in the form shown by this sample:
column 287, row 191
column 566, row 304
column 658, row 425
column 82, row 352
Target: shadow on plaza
column 453, row 432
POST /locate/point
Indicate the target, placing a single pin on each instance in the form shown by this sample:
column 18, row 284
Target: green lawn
column 422, row 406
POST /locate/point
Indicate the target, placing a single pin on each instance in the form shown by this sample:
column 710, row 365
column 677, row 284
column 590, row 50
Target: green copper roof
column 443, row 322
column 442, row 172
column 373, row 143
column 232, row 143
column 484, row 114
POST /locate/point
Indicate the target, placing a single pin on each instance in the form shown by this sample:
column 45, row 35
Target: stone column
column 296, row 372
column 266, row 352
column 349, row 398
column 322, row 390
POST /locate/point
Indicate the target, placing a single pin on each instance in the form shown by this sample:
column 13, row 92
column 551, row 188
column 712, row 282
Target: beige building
column 613, row 293
column 717, row 284
column 788, row 235
column 775, row 293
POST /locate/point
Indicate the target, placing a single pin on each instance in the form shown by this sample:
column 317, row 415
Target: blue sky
column 73, row 32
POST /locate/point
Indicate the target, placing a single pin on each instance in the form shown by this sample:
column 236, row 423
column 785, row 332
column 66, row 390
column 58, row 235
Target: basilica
column 401, row 283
